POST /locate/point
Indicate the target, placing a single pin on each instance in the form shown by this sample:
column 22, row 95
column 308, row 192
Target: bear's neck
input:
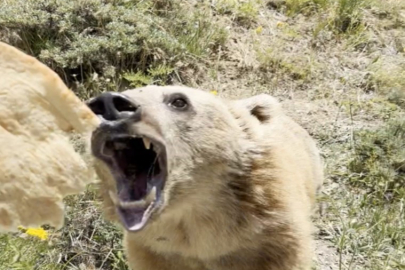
column 226, row 201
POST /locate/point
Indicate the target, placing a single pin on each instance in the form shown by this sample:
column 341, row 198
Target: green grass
column 367, row 212
column 386, row 78
column 348, row 15
column 273, row 60
column 25, row 253
column 306, row 7
column 243, row 13
column 86, row 240
column 378, row 164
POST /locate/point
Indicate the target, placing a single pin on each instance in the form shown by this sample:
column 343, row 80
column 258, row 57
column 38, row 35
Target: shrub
column 91, row 43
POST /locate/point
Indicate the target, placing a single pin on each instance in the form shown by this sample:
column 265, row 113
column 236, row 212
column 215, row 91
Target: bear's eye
column 179, row 103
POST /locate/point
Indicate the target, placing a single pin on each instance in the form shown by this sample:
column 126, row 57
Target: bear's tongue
column 134, row 214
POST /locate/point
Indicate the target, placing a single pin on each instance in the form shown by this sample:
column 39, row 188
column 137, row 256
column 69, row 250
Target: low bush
column 91, row 43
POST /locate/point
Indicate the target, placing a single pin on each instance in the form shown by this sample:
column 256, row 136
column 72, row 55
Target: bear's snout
column 111, row 106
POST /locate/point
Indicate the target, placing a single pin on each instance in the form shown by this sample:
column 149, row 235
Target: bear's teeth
column 135, row 204
column 147, row 143
column 142, row 203
column 151, row 196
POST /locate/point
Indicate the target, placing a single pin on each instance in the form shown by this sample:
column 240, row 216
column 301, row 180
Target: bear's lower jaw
column 135, row 214
column 135, row 218
column 139, row 166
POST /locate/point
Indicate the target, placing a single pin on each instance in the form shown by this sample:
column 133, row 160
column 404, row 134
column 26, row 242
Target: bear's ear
column 262, row 106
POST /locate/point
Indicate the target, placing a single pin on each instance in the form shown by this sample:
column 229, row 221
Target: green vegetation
column 386, row 77
column 305, row 6
column 91, row 43
column 371, row 225
column 242, row 12
column 347, row 15
column 338, row 65
column 21, row 253
column 379, row 161
column 87, row 240
column 342, row 16
column 298, row 68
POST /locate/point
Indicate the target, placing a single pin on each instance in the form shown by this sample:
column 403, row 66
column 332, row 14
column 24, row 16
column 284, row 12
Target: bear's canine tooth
column 146, row 142
column 151, row 196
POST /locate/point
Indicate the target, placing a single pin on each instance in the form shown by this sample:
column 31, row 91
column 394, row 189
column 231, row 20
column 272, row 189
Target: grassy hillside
column 338, row 66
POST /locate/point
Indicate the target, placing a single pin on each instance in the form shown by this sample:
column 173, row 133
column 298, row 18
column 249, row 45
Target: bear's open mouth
column 139, row 166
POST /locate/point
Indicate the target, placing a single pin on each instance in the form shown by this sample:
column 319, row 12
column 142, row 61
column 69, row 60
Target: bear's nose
column 113, row 106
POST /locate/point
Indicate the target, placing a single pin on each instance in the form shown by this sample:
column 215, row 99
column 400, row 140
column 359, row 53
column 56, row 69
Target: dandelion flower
column 259, row 30
column 214, row 92
column 38, row 233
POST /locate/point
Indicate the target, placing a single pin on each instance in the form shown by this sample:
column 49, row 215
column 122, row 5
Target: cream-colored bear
column 39, row 165
column 202, row 183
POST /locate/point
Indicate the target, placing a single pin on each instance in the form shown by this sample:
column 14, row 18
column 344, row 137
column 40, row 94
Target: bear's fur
column 241, row 187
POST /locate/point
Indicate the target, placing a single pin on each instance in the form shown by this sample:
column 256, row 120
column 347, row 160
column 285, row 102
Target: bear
column 200, row 182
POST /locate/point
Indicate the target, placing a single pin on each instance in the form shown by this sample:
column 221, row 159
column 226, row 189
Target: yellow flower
column 259, row 30
column 37, row 232
column 280, row 24
column 214, row 92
